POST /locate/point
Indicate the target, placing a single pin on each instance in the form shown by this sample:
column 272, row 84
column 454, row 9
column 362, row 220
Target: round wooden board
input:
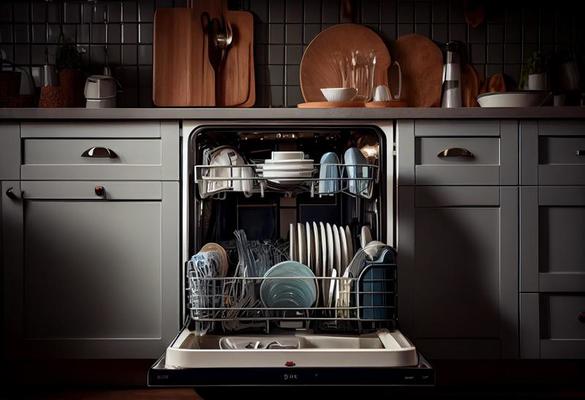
column 318, row 69
column 386, row 104
column 421, row 62
column 470, row 84
column 331, row 104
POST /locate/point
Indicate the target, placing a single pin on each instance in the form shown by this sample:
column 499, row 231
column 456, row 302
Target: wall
column 283, row 28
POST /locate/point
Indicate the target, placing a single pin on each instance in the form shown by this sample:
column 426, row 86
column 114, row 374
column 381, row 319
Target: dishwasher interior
column 305, row 274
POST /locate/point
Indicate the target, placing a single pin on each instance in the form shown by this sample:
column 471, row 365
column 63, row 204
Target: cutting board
column 421, row 62
column 182, row 74
column 318, row 69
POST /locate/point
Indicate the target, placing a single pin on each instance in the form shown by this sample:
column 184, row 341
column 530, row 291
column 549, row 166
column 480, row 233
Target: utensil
column 421, row 63
column 221, row 37
column 317, row 70
column 513, row 99
column 339, row 94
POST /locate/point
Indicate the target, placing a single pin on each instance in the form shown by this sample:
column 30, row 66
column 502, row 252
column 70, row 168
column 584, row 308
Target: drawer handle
column 99, row 152
column 581, row 152
column 10, row 194
column 455, row 152
column 581, row 317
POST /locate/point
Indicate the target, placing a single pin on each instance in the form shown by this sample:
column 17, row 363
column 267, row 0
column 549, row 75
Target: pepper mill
column 451, row 83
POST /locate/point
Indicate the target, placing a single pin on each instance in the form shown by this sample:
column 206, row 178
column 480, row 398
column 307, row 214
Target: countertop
column 290, row 113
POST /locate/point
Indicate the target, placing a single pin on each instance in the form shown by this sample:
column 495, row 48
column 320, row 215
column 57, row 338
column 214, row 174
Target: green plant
column 535, row 64
column 68, row 56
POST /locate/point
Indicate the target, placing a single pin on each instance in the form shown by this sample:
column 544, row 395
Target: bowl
column 297, row 290
column 339, row 94
column 512, row 99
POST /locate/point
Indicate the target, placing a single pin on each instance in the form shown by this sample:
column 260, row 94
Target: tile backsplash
column 512, row 31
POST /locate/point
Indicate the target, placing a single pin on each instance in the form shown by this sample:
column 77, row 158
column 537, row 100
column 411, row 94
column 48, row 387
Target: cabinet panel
column 553, row 325
column 552, row 234
column 100, row 277
column 9, row 151
column 458, row 270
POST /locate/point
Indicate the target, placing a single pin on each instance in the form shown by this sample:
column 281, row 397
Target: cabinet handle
column 581, row 152
column 99, row 152
column 581, row 317
column 455, row 152
column 10, row 193
column 100, row 191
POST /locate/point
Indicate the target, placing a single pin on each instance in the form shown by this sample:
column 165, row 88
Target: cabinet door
column 98, row 276
column 552, row 234
column 458, row 270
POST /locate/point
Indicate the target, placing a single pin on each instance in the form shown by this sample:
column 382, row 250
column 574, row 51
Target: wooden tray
column 331, row 104
column 421, row 61
column 387, row 104
column 317, row 68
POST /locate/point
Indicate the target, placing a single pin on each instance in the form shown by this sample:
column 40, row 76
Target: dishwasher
column 289, row 274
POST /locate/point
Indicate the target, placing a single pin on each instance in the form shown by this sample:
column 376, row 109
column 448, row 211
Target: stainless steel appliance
column 355, row 344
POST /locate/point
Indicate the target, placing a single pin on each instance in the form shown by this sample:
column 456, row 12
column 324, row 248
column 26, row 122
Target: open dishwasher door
column 269, row 197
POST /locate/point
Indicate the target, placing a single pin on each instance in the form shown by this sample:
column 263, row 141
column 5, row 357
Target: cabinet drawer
column 68, row 155
column 553, row 153
column 553, row 325
column 458, row 153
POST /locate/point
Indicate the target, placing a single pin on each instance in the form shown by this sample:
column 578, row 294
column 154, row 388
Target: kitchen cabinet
column 9, row 151
column 93, row 268
column 458, row 275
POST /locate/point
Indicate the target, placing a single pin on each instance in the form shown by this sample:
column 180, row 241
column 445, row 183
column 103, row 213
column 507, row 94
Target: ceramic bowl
column 327, row 170
column 512, row 99
column 339, row 94
column 354, row 157
column 298, row 290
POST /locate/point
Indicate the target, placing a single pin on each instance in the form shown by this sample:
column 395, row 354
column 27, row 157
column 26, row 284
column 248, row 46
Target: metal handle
column 581, row 152
column 99, row 152
column 10, row 193
column 455, row 152
column 581, row 317
column 100, row 191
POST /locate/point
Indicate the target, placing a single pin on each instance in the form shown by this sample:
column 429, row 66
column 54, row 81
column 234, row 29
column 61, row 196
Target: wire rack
column 358, row 303
column 354, row 180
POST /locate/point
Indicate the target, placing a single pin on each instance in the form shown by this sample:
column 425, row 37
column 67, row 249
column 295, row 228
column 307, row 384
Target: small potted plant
column 533, row 76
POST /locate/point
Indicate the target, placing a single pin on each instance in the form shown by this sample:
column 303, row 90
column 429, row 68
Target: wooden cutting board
column 239, row 83
column 318, row 69
column 421, row 62
column 181, row 78
column 182, row 75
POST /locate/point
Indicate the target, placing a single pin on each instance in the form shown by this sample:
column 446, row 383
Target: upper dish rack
column 216, row 180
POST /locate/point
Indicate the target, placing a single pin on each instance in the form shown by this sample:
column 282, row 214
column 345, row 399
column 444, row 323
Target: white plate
column 302, row 242
column 317, row 249
column 310, row 247
column 324, row 269
column 350, row 251
column 332, row 289
column 344, row 251
column 292, row 240
column 337, row 246
column 293, row 167
column 330, row 249
column 288, row 162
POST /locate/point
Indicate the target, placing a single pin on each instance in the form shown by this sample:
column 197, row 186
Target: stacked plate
column 286, row 167
column 327, row 250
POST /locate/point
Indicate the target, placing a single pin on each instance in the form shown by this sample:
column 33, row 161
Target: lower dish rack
column 359, row 304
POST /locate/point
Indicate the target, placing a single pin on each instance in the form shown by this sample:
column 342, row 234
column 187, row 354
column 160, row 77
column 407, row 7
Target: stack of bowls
column 298, row 289
column 287, row 167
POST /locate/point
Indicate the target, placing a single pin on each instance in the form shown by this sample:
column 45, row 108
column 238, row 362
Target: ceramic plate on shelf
column 302, row 242
column 324, row 261
column 337, row 247
column 330, row 250
column 332, row 289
